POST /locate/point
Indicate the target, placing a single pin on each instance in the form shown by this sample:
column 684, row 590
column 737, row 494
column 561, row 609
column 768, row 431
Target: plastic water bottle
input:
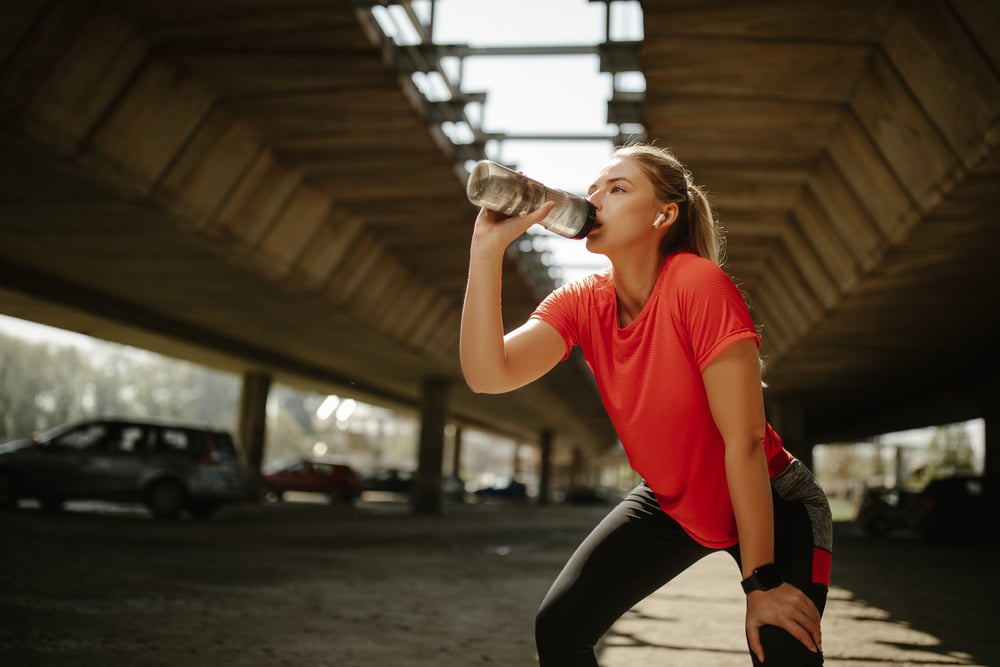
column 497, row 188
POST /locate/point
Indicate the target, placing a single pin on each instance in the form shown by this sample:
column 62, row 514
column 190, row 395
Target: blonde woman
column 674, row 351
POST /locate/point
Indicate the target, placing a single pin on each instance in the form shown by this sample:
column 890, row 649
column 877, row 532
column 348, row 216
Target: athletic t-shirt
column 649, row 375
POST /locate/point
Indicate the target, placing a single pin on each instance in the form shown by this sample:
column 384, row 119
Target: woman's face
column 626, row 207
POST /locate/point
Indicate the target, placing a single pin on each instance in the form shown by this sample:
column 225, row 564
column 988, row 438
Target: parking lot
column 304, row 583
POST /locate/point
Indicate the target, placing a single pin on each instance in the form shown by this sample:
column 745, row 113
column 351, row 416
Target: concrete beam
column 868, row 176
column 256, row 200
column 848, row 216
column 292, row 231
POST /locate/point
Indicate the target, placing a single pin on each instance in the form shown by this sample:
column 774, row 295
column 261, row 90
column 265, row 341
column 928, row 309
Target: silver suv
column 169, row 468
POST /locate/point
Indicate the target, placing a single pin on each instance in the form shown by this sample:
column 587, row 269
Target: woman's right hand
column 494, row 231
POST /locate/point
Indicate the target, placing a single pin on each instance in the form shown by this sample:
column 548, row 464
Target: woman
column 675, row 355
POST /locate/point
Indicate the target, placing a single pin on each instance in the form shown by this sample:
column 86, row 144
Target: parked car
column 512, row 491
column 401, row 482
column 453, row 488
column 885, row 509
column 588, row 495
column 957, row 510
column 390, row 481
column 337, row 481
column 170, row 468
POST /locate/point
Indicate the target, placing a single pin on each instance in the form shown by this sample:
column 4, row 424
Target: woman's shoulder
column 594, row 284
column 684, row 269
column 583, row 296
column 689, row 262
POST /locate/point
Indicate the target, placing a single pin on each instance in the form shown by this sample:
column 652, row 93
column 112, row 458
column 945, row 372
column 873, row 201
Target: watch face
column 768, row 576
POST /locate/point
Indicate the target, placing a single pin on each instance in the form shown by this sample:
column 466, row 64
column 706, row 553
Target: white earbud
column 659, row 220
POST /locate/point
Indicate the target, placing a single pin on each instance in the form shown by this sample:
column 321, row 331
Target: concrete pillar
column 456, row 453
column 545, row 472
column 577, row 469
column 991, row 417
column 252, row 426
column 788, row 419
column 426, row 496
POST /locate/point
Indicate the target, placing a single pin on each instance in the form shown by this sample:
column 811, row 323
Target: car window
column 129, row 439
column 323, row 468
column 81, row 437
column 175, row 440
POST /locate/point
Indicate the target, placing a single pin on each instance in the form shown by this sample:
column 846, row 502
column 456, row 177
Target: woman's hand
column 787, row 608
column 495, row 231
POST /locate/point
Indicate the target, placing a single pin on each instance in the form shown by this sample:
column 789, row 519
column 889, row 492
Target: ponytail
column 706, row 234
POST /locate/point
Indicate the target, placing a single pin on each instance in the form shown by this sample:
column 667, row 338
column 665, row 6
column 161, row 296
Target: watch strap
column 764, row 578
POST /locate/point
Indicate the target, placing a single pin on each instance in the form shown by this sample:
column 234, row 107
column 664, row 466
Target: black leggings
column 636, row 549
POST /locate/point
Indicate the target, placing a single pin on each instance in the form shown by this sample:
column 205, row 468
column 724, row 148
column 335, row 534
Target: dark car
column 588, row 495
column 390, row 481
column 400, row 483
column 170, row 468
column 512, row 491
column 959, row 510
column 885, row 509
column 337, row 481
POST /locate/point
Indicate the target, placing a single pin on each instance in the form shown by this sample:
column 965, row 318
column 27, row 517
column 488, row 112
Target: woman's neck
column 634, row 281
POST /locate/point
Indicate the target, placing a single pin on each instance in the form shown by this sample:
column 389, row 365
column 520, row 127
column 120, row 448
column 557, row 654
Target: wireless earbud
column 659, row 220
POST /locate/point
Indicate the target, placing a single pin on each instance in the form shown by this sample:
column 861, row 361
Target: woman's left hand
column 788, row 608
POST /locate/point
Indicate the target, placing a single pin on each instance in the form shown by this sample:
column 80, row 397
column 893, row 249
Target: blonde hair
column 696, row 230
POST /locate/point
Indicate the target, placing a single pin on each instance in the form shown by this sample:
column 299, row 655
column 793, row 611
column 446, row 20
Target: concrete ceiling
column 250, row 184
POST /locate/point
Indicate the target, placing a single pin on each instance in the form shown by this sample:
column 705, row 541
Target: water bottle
column 497, row 188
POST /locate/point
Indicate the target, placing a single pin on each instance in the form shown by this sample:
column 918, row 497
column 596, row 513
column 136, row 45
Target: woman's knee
column 560, row 637
column 781, row 649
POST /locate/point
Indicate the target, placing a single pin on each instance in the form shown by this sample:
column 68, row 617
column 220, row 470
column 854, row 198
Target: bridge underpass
column 256, row 186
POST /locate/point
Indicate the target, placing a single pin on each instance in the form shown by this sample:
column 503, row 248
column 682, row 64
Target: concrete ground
column 304, row 584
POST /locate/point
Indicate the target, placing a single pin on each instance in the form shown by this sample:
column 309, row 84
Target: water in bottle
column 497, row 188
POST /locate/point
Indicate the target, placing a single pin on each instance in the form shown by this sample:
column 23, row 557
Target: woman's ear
column 667, row 216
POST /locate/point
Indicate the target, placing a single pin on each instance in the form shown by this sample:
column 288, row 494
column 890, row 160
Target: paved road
column 306, row 584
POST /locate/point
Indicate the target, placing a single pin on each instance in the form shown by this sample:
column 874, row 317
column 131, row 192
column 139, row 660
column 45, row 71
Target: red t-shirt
column 649, row 374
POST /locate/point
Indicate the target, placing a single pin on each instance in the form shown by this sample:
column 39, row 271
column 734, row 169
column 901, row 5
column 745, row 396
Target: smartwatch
column 764, row 578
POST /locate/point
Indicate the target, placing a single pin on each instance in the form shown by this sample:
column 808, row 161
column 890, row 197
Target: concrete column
column 456, row 453
column 426, row 496
column 991, row 417
column 545, row 472
column 252, row 427
column 577, row 469
column 788, row 419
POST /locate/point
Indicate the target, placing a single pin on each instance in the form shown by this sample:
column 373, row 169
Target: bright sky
column 538, row 94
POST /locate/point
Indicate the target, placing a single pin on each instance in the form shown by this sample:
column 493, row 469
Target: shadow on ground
column 308, row 584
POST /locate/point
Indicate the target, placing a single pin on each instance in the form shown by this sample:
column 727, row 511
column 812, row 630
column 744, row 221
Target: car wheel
column 10, row 490
column 51, row 503
column 877, row 527
column 337, row 498
column 202, row 509
column 272, row 496
column 165, row 499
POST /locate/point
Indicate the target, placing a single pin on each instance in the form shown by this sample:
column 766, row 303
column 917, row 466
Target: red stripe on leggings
column 822, row 560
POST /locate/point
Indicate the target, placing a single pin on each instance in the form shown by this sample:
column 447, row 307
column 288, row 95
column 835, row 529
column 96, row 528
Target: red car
column 335, row 480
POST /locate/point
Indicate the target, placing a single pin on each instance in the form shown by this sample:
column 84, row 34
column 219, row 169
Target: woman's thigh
column 802, row 548
column 632, row 552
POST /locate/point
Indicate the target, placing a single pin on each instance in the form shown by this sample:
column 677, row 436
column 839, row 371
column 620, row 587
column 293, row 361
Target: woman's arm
column 732, row 382
column 491, row 362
